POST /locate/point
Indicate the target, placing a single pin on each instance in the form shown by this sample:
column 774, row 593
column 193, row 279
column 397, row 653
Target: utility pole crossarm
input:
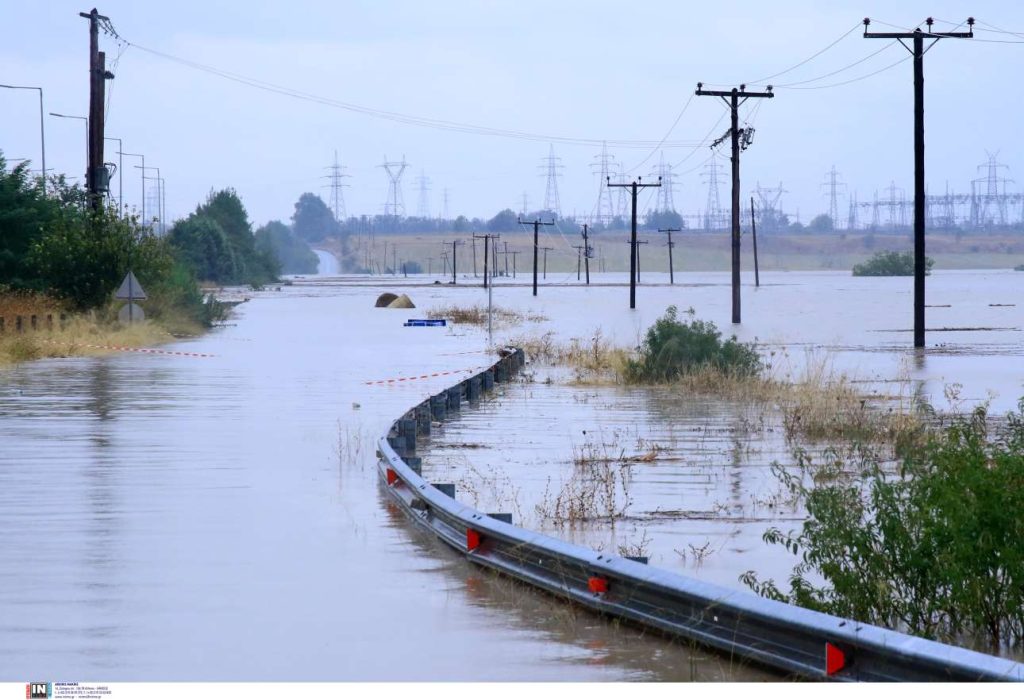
column 741, row 92
column 917, row 32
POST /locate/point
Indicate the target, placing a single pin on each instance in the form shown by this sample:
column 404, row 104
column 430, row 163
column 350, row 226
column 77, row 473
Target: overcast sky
column 588, row 70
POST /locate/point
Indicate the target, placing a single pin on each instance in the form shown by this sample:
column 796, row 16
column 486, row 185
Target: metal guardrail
column 784, row 637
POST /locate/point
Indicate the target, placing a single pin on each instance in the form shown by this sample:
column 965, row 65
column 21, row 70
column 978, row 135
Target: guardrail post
column 407, row 430
column 438, row 406
column 488, row 380
column 423, row 418
column 473, row 389
column 63, row 321
column 34, row 322
column 18, row 325
column 2, row 324
column 455, row 398
column 447, row 489
column 49, row 322
column 500, row 373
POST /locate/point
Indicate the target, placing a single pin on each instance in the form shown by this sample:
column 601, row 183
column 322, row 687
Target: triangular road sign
column 130, row 288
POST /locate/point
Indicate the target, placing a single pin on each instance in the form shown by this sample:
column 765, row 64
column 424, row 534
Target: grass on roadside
column 82, row 335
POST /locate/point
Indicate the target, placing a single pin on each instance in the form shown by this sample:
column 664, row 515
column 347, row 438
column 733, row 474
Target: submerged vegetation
column 815, row 402
column 935, row 547
column 477, row 315
column 889, row 263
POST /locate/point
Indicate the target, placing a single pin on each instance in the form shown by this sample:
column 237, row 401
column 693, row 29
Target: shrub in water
column 936, row 549
column 674, row 347
column 889, row 263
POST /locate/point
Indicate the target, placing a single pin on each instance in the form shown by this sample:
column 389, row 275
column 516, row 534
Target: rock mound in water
column 402, row 302
column 384, row 299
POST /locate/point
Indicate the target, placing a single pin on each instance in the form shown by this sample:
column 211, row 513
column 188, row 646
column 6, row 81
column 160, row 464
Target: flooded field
column 220, row 518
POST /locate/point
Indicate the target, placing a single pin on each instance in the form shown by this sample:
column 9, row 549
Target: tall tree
column 313, row 220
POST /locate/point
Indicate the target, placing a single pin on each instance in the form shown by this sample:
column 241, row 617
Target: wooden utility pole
column 638, row 244
column 586, row 251
column 96, row 172
column 456, row 242
column 486, row 237
column 918, row 51
column 671, row 245
column 741, row 140
column 546, row 249
column 634, row 187
column 753, row 233
column 537, row 223
column 579, row 259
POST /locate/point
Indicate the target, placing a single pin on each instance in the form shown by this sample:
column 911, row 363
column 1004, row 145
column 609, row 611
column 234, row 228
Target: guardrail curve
column 777, row 635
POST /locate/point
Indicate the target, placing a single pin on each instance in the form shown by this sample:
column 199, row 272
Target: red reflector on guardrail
column 596, row 584
column 392, row 476
column 835, row 659
column 472, row 539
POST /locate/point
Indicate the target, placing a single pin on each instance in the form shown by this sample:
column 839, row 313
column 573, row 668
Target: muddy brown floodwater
column 171, row 518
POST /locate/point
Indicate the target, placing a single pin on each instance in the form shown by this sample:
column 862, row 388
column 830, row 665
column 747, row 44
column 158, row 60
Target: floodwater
column 171, row 518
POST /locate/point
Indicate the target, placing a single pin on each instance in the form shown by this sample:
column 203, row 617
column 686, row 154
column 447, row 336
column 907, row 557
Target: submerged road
column 173, row 518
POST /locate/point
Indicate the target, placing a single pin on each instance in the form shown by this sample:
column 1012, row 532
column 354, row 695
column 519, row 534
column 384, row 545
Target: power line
column 810, row 58
column 839, row 70
column 426, row 122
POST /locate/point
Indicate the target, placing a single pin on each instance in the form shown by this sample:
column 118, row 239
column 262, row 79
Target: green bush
column 673, row 348
column 889, row 263
column 936, row 549
column 83, row 255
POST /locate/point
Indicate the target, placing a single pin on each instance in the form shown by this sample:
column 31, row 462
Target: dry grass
column 477, row 315
column 26, row 304
column 80, row 336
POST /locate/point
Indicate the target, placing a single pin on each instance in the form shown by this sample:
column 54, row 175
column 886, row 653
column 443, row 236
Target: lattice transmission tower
column 604, row 167
column 423, row 202
column 988, row 194
column 552, row 167
column 334, row 178
column 714, row 217
column 666, row 199
column 834, row 188
column 395, row 205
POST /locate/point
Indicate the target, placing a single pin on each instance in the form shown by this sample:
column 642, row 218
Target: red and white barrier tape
column 398, row 380
column 125, row 348
column 470, row 352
